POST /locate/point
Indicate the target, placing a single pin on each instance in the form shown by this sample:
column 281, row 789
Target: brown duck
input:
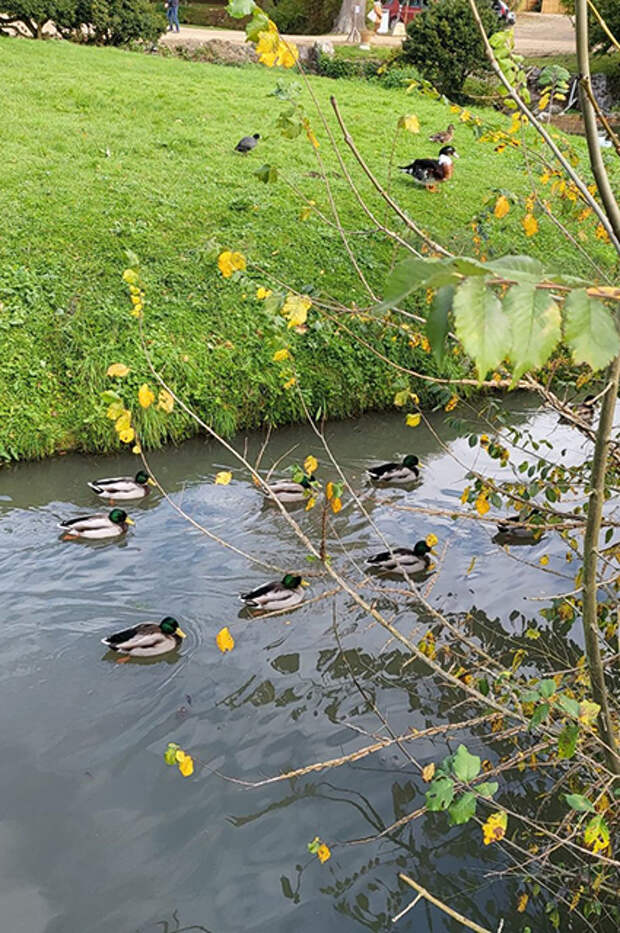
column 443, row 136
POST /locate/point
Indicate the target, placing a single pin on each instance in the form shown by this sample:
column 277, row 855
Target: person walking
column 172, row 12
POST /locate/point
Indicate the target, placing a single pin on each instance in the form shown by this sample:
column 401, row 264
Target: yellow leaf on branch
column 165, row 401
column 117, row 369
column 127, row 436
column 311, row 465
column 502, row 206
column 146, row 396
column 310, row 503
column 428, row 772
column 530, row 225
column 281, row 355
column 296, row 308
column 482, row 505
column 329, row 490
column 336, row 504
column 495, row 827
column 123, row 421
column 522, row 903
column 451, row 405
column 224, row 640
column 229, row 262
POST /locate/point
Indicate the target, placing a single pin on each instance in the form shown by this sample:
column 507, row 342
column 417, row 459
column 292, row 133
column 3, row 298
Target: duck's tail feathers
column 95, row 487
column 106, row 641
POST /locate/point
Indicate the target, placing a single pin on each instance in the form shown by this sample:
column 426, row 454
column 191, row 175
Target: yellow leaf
column 329, row 490
column 427, row 645
column 127, row 436
column 146, row 396
column 185, row 762
column 502, row 206
column 465, row 495
column 482, row 506
column 310, row 133
column 311, row 465
column 310, row 503
column 410, row 123
column 115, row 410
column 117, row 369
column 495, row 827
column 431, row 540
column 428, row 772
column 262, row 293
column 229, row 262
column 452, row 403
column 165, row 401
column 544, row 560
column 588, row 712
column 136, row 449
column 336, row 505
column 123, row 421
column 296, row 309
column 522, row 903
column 412, row 421
column 224, row 640
column 289, row 383
column 131, row 276
column 223, row 478
column 472, row 564
column 596, row 835
column 280, row 355
column 601, row 233
column 323, row 853
column 530, row 225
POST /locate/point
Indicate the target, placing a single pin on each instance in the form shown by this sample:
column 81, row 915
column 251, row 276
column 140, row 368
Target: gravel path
column 535, row 34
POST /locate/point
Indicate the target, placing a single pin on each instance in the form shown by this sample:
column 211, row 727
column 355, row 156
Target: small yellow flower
column 290, row 383
column 601, row 233
column 229, row 262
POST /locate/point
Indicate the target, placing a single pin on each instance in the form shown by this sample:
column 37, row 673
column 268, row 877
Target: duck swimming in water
column 429, row 172
column 287, row 490
column 95, row 527
column 283, row 594
column 396, row 473
column 403, row 559
column 148, row 639
column 123, row 487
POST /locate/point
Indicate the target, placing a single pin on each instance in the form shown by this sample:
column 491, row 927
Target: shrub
column 444, row 44
column 598, row 39
column 310, row 17
column 102, row 22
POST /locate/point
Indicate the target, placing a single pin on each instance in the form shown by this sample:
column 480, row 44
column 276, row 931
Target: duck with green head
column 148, row 639
column 280, row 594
column 395, row 474
column 288, row 490
column 96, row 527
column 123, row 487
column 403, row 559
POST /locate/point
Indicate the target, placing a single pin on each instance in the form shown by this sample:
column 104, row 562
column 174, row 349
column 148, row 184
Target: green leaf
column 110, row 396
column 589, row 330
column 401, row 398
column 579, row 803
column 410, row 274
column 440, row 794
column 540, row 713
column 462, row 809
column 567, row 740
column 519, row 268
column 465, row 265
column 240, row 8
column 481, row 325
column 170, row 755
column 569, row 706
column 267, row 173
column 483, row 686
column 535, row 322
column 437, row 322
column 258, row 23
column 466, row 766
column 547, row 688
column 487, row 789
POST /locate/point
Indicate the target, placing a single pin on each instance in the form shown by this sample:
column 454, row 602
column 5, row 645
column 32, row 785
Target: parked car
column 404, row 11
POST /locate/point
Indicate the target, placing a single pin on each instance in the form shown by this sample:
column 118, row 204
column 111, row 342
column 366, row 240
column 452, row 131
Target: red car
column 404, row 11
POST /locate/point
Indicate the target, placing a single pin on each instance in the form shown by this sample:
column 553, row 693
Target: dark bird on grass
column 443, row 136
column 396, row 473
column 148, row 639
column 403, row 559
column 282, row 594
column 430, row 171
column 247, row 143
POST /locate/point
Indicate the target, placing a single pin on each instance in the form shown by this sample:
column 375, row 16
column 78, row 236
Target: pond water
column 98, row 835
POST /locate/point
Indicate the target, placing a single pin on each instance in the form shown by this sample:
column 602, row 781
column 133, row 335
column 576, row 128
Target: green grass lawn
column 107, row 151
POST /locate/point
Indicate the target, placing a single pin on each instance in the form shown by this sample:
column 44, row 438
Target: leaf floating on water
column 431, row 540
column 170, row 755
column 223, row 478
column 311, row 464
column 323, row 853
column 522, row 903
column 472, row 564
column 544, row 560
column 412, row 421
column 224, row 640
column 185, row 762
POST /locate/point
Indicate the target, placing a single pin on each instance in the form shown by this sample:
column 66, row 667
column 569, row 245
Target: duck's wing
column 383, row 468
column 266, row 590
column 115, row 486
column 390, row 556
column 420, row 166
column 147, row 635
column 286, row 485
column 87, row 522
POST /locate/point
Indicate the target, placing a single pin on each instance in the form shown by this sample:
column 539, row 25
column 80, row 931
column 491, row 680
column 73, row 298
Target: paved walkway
column 535, row 34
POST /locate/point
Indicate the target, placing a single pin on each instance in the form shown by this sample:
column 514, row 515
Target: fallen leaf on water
column 223, row 478
column 224, row 640
column 432, row 540
column 185, row 762
column 412, row 421
column 323, row 853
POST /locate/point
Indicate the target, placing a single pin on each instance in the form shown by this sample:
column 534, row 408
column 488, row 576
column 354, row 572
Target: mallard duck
column 100, row 525
column 509, row 526
column 443, row 136
column 410, row 560
column 396, row 473
column 123, row 487
column 283, row 594
column 286, row 490
column 429, row 171
column 147, row 639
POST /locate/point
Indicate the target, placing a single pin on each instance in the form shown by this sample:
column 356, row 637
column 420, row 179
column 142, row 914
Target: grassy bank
column 106, row 151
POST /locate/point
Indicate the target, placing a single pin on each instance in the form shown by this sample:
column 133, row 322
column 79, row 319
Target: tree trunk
column 352, row 16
